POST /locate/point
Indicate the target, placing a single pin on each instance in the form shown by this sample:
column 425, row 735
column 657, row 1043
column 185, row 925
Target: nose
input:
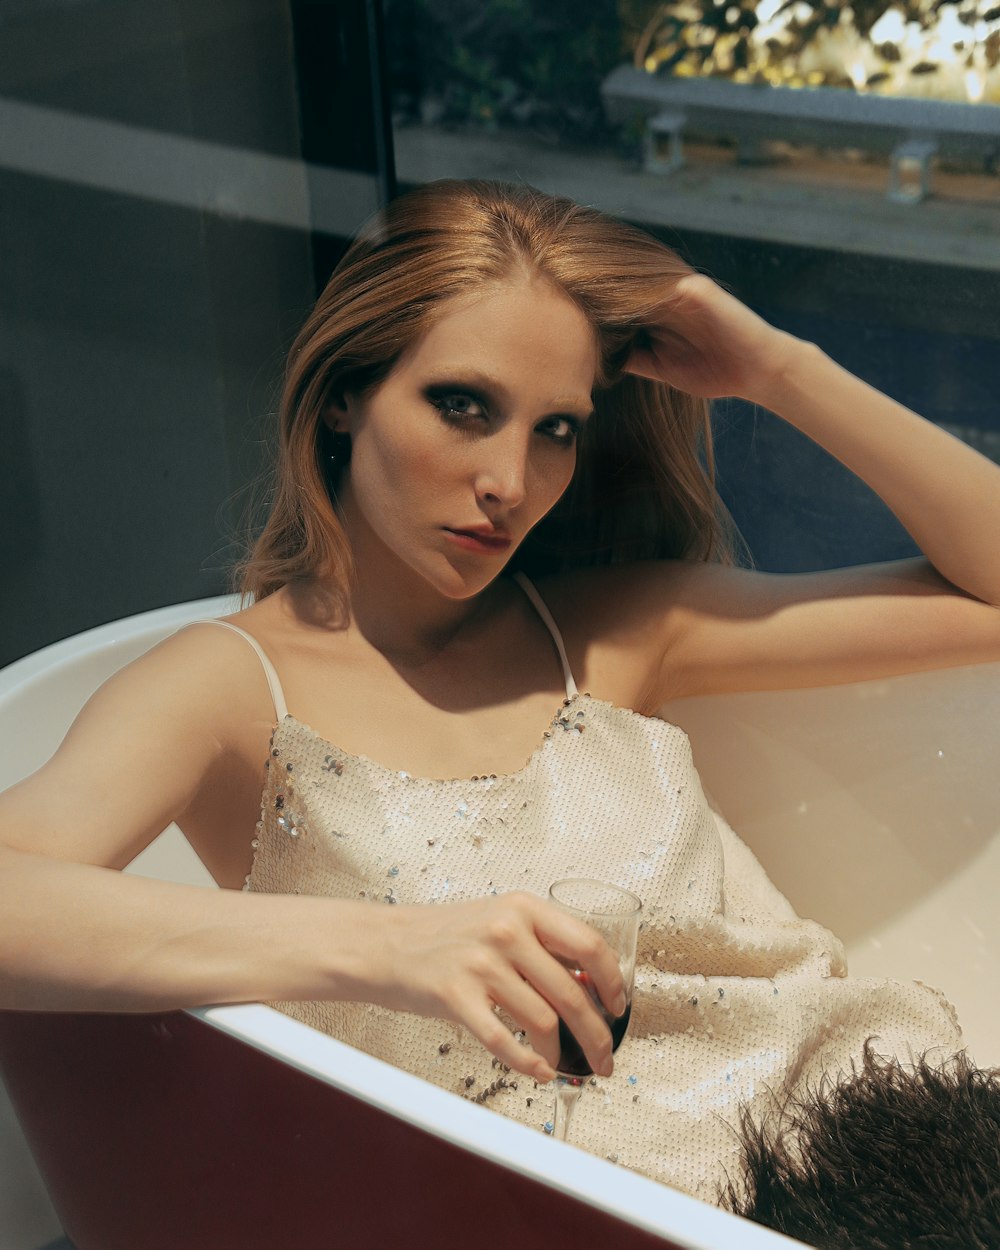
column 501, row 478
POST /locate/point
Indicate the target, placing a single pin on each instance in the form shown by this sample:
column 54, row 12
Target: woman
column 496, row 381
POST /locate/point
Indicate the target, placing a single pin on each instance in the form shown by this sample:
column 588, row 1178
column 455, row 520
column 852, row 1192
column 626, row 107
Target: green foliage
column 531, row 63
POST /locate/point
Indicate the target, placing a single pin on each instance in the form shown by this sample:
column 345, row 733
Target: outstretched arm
column 77, row 934
column 944, row 493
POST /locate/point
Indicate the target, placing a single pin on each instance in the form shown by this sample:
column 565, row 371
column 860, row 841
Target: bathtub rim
column 687, row 1222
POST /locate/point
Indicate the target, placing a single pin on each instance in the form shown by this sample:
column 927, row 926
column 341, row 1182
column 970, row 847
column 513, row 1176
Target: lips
column 495, row 540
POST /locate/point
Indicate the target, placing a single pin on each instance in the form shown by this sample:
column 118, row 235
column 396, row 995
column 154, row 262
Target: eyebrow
column 491, row 386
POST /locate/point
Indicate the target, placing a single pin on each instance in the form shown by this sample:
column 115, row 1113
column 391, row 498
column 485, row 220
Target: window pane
column 835, row 166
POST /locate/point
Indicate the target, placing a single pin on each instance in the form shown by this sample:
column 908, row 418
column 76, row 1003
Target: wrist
column 785, row 374
column 319, row 948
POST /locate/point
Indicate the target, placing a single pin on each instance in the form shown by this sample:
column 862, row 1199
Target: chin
column 457, row 583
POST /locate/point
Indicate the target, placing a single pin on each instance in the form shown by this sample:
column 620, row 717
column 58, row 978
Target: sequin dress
column 735, row 995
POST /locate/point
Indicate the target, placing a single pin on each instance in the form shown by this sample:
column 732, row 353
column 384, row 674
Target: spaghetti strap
column 273, row 683
column 538, row 603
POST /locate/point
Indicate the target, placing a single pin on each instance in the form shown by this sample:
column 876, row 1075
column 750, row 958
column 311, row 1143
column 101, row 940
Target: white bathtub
column 875, row 807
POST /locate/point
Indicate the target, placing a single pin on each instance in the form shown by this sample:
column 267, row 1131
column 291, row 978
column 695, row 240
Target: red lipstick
column 480, row 538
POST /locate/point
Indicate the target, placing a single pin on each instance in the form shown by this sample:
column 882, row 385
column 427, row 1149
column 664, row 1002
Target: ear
column 335, row 412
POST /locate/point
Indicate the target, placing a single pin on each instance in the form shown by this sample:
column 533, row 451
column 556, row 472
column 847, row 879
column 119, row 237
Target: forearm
column 944, row 493
column 77, row 937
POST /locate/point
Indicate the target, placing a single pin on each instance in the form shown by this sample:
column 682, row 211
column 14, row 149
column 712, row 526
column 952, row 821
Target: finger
column 642, row 364
column 482, row 1021
column 568, row 998
column 578, row 945
column 532, row 1012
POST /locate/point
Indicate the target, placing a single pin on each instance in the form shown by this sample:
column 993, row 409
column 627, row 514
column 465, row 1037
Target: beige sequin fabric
column 735, row 996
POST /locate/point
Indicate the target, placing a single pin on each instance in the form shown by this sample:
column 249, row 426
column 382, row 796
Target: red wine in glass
column 614, row 912
column 572, row 1061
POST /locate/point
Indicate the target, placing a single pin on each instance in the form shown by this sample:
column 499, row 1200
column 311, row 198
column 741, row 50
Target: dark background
column 141, row 342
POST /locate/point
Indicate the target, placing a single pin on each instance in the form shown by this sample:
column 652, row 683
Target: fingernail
column 621, row 1002
column 606, row 1068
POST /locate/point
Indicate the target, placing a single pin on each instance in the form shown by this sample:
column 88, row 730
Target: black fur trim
column 893, row 1157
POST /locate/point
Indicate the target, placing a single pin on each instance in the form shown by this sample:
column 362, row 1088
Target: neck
column 398, row 612
column 407, row 621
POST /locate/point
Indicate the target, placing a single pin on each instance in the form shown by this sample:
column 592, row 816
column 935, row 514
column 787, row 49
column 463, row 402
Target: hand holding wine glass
column 614, row 913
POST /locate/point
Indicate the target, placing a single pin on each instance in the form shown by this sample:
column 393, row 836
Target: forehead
column 524, row 330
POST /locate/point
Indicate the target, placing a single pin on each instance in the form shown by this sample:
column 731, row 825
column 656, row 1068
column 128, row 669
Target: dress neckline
column 570, row 718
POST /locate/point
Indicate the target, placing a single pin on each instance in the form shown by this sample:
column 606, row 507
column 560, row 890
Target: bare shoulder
column 153, row 744
column 618, row 600
column 203, row 677
column 617, row 622
column 675, row 628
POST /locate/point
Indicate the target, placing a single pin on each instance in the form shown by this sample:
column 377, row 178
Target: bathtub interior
column 872, row 806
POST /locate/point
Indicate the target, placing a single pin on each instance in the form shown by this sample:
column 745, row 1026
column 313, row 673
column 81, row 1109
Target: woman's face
column 471, row 439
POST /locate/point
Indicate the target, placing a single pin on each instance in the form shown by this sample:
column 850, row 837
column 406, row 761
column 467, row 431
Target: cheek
column 394, row 465
column 552, row 483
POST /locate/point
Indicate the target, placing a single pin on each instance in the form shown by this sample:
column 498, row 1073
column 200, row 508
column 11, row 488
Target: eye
column 457, row 405
column 564, row 430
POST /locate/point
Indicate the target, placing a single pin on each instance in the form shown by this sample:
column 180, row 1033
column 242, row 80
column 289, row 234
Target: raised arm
column 746, row 630
column 156, row 742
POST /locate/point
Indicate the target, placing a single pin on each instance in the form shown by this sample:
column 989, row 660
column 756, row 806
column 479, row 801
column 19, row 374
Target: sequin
column 330, row 765
column 568, row 808
column 632, row 1080
column 279, row 801
column 289, row 768
column 547, row 1127
column 393, row 871
column 444, row 1048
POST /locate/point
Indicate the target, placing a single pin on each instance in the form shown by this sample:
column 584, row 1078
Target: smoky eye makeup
column 457, row 402
column 462, row 405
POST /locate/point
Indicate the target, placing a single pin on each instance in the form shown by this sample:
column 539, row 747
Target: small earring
column 339, row 445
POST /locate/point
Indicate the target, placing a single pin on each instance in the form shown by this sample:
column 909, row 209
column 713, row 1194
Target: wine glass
column 614, row 913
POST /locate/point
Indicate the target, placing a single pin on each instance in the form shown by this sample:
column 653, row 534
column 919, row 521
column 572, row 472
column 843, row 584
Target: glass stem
column 567, row 1092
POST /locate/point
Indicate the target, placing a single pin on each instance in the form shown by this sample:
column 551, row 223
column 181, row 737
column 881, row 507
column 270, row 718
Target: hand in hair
column 703, row 341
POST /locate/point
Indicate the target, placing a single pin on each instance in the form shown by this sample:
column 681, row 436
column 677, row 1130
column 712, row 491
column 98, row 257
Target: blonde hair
column 644, row 483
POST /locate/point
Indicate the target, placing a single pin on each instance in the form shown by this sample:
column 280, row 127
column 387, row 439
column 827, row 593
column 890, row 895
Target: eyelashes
column 465, row 408
column 457, row 404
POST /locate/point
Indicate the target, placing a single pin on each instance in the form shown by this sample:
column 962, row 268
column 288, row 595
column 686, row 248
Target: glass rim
column 619, row 891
